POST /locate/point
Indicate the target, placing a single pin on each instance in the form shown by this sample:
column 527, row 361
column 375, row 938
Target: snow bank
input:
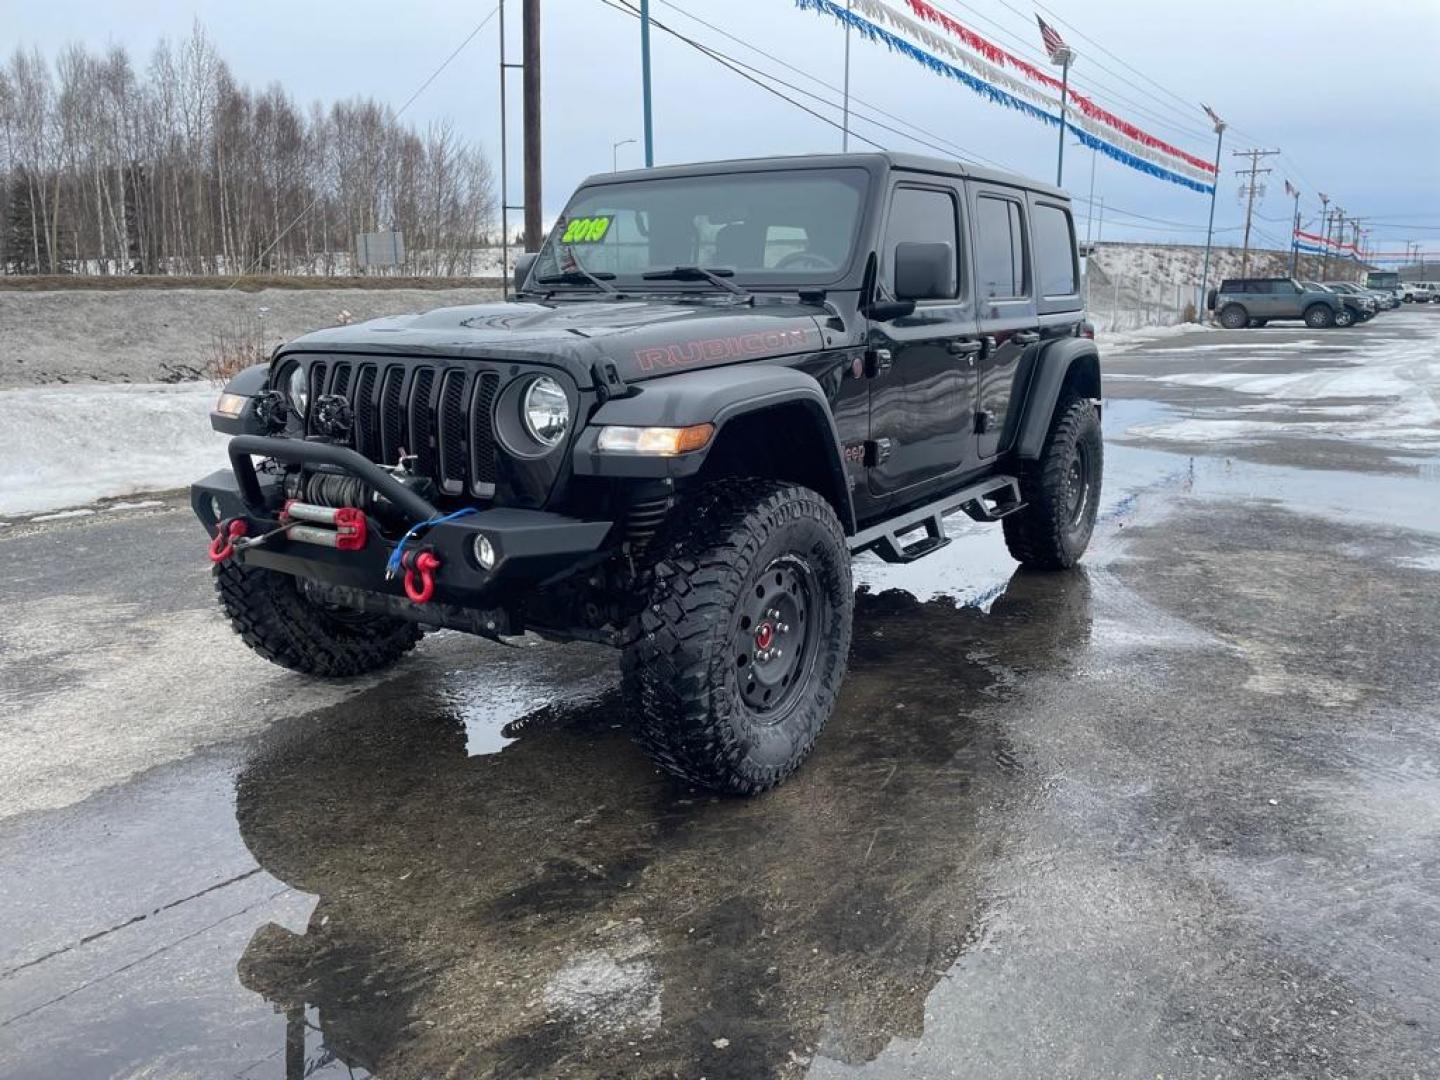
column 64, row 446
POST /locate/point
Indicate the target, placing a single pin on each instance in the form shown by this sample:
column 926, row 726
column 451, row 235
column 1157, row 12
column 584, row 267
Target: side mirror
column 521, row 270
column 924, row 271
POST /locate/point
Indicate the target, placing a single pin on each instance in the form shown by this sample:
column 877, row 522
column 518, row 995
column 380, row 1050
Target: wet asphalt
column 1174, row 814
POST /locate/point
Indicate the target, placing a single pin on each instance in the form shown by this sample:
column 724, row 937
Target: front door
column 922, row 366
column 1005, row 296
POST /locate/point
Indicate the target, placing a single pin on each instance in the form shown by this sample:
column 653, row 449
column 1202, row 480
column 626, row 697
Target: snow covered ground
column 1379, row 386
column 67, row 446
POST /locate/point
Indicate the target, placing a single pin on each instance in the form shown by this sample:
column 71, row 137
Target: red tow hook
column 226, row 533
column 425, row 563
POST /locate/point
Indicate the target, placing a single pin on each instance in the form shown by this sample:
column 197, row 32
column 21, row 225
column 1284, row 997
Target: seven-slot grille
column 441, row 414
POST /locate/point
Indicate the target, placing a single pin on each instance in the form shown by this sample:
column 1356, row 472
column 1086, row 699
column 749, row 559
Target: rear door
column 922, row 393
column 1005, row 303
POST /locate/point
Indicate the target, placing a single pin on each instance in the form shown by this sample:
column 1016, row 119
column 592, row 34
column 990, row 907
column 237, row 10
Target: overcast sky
column 1349, row 91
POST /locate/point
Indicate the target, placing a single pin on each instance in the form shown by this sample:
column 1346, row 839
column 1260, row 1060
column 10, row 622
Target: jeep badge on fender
column 715, row 384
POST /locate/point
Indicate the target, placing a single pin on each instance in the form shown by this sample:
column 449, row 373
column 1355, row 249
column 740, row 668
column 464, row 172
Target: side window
column 923, row 216
column 1000, row 248
column 1054, row 250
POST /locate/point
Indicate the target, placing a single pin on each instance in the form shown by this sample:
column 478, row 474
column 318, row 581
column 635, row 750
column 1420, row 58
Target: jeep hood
column 645, row 338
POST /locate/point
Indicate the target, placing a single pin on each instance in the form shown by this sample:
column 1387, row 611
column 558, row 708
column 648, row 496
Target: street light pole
column 645, row 80
column 615, row 153
column 1210, row 228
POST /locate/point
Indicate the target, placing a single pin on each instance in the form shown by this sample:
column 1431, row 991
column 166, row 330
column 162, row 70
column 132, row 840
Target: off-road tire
column 271, row 615
column 1345, row 317
column 1319, row 317
column 694, row 696
column 1233, row 317
column 1052, row 532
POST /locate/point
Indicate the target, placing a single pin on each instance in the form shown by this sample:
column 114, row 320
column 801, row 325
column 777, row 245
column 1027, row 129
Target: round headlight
column 546, row 411
column 298, row 390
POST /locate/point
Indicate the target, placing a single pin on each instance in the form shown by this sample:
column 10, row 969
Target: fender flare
column 711, row 396
column 1052, row 369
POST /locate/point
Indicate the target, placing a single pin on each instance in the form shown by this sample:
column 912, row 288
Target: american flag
column 1054, row 44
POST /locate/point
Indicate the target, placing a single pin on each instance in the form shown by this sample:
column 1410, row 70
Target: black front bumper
column 532, row 547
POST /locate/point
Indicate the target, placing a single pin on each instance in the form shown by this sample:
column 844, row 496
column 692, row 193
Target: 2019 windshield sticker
column 586, row 230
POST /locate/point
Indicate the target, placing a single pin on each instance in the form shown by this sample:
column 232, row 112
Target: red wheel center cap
column 764, row 636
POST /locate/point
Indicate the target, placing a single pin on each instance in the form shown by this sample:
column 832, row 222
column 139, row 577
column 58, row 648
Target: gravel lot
column 1176, row 814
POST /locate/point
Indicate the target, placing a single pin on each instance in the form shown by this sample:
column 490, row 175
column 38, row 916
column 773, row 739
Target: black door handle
column 1025, row 337
column 966, row 348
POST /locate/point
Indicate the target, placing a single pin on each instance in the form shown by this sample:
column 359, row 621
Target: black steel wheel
column 739, row 655
column 1061, row 492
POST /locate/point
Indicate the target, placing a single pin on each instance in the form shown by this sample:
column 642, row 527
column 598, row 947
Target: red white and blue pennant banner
column 979, row 71
column 1310, row 243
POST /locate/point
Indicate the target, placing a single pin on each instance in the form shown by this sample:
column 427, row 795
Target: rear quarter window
column 1054, row 250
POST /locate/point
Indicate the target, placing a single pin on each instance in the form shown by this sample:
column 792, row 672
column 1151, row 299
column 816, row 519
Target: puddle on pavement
column 502, row 884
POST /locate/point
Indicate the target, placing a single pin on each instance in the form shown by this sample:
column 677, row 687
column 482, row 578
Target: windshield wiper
column 580, row 276
column 698, row 273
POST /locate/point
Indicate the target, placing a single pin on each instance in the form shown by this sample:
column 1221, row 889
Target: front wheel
column 272, row 615
column 743, row 643
column 1061, row 492
column 1319, row 317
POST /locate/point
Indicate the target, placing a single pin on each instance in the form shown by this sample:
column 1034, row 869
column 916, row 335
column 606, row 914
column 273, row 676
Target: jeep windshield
column 785, row 228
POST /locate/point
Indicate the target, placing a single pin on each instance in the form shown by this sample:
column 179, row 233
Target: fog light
column 484, row 552
column 215, row 509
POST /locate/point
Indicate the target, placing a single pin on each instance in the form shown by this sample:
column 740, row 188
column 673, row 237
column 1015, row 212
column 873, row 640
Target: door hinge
column 877, row 451
column 984, row 419
column 877, row 362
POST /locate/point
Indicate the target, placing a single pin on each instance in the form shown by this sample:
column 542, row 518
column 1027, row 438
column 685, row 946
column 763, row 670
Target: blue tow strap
column 392, row 566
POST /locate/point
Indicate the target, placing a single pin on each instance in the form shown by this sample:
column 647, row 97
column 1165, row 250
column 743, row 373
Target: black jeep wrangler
column 715, row 384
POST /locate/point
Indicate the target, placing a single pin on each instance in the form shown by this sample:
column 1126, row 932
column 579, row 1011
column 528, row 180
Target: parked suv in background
column 1360, row 303
column 1241, row 302
column 1416, row 293
column 715, row 385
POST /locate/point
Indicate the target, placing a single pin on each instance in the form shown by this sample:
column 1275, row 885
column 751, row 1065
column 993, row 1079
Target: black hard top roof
column 875, row 162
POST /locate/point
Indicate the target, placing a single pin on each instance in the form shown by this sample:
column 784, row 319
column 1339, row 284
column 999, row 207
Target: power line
column 953, row 147
column 1088, row 82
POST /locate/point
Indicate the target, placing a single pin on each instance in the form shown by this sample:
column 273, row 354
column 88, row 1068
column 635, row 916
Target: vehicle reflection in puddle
column 559, row 906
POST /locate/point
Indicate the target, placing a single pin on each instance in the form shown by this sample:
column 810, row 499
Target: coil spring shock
column 643, row 521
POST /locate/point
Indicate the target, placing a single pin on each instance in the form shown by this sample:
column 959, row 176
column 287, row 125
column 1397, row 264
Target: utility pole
column 530, row 94
column 1295, row 235
column 1251, row 186
column 1324, row 222
column 1338, row 218
column 1214, row 187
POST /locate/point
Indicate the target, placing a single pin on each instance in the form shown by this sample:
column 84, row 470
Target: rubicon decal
column 708, row 350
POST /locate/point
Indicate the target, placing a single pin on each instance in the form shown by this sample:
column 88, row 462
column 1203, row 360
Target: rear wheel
column 276, row 619
column 743, row 643
column 1319, row 317
column 1233, row 317
column 1061, row 492
column 1344, row 317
